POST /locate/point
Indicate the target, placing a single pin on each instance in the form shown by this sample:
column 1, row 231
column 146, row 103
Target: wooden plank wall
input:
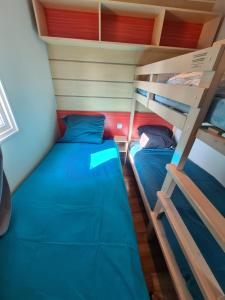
column 206, row 5
column 96, row 79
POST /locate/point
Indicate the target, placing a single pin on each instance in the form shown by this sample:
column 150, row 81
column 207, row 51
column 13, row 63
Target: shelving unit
column 72, row 24
column 116, row 24
column 131, row 23
column 190, row 29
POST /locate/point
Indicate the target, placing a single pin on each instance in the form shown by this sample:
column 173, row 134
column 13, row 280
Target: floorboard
column 154, row 267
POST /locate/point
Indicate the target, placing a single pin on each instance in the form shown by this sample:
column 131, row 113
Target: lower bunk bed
column 71, row 234
column 149, row 168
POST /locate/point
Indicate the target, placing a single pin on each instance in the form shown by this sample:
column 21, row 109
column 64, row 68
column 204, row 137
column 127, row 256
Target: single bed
column 71, row 234
column 150, row 167
column 215, row 115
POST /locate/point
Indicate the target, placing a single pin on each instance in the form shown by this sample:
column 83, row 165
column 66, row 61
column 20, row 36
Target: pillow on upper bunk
column 190, row 79
column 83, row 129
column 156, row 137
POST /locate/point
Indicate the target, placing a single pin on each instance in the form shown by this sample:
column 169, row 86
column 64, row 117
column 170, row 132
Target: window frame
column 9, row 126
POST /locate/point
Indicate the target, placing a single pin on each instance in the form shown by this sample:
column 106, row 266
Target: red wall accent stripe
column 180, row 34
column 141, row 119
column 72, row 24
column 127, row 29
column 112, row 118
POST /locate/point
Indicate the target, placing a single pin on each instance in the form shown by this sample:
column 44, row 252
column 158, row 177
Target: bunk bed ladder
column 208, row 284
column 212, row 219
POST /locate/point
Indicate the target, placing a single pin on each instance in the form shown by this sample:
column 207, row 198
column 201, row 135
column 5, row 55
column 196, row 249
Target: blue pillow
column 155, row 130
column 83, row 129
column 156, row 137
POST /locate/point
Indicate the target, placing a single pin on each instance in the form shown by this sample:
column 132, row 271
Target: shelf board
column 212, row 139
column 75, row 35
column 112, row 45
column 120, row 139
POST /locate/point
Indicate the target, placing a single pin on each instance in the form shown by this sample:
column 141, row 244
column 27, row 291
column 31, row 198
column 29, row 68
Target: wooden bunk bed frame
column 211, row 62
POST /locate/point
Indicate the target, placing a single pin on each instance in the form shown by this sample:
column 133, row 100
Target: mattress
column 71, row 234
column 215, row 114
column 150, row 166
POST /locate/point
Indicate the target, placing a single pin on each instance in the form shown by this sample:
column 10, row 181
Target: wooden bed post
column 132, row 113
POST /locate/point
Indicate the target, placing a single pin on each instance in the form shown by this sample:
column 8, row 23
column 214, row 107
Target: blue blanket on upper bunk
column 216, row 113
column 150, row 165
column 71, row 235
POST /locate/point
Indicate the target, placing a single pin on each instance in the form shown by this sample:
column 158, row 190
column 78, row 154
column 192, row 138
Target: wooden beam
column 179, row 282
column 173, row 117
column 131, row 124
column 210, row 216
column 204, row 276
column 208, row 32
column 141, row 189
column 141, row 99
column 220, row 42
column 201, row 61
column 189, row 95
column 40, row 18
column 195, row 117
column 215, row 141
column 158, row 26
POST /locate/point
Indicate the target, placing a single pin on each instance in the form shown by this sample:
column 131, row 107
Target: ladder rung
column 215, row 141
column 180, row 284
column 211, row 217
column 204, row 276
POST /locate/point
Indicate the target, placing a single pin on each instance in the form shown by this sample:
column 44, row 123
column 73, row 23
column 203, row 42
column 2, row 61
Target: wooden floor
column 154, row 267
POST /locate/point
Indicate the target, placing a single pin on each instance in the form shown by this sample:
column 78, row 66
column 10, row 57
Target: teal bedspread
column 71, row 234
column 151, row 168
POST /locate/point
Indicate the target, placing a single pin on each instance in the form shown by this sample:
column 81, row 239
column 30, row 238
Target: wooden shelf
column 131, row 23
column 120, row 139
column 112, row 45
column 123, row 25
column 205, row 5
column 189, row 29
column 212, row 139
column 122, row 143
column 72, row 24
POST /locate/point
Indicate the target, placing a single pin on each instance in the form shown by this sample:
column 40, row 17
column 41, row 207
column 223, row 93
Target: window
column 7, row 122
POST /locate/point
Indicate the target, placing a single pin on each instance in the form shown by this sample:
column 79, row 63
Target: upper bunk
column 183, row 89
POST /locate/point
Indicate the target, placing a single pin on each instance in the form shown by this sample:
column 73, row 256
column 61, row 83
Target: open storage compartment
column 122, row 24
column 68, row 19
column 189, row 29
column 129, row 23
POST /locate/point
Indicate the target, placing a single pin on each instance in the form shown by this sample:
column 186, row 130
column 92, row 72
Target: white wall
column 24, row 71
column 207, row 158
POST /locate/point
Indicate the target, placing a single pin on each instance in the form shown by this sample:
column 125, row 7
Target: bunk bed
column 71, row 234
column 185, row 204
